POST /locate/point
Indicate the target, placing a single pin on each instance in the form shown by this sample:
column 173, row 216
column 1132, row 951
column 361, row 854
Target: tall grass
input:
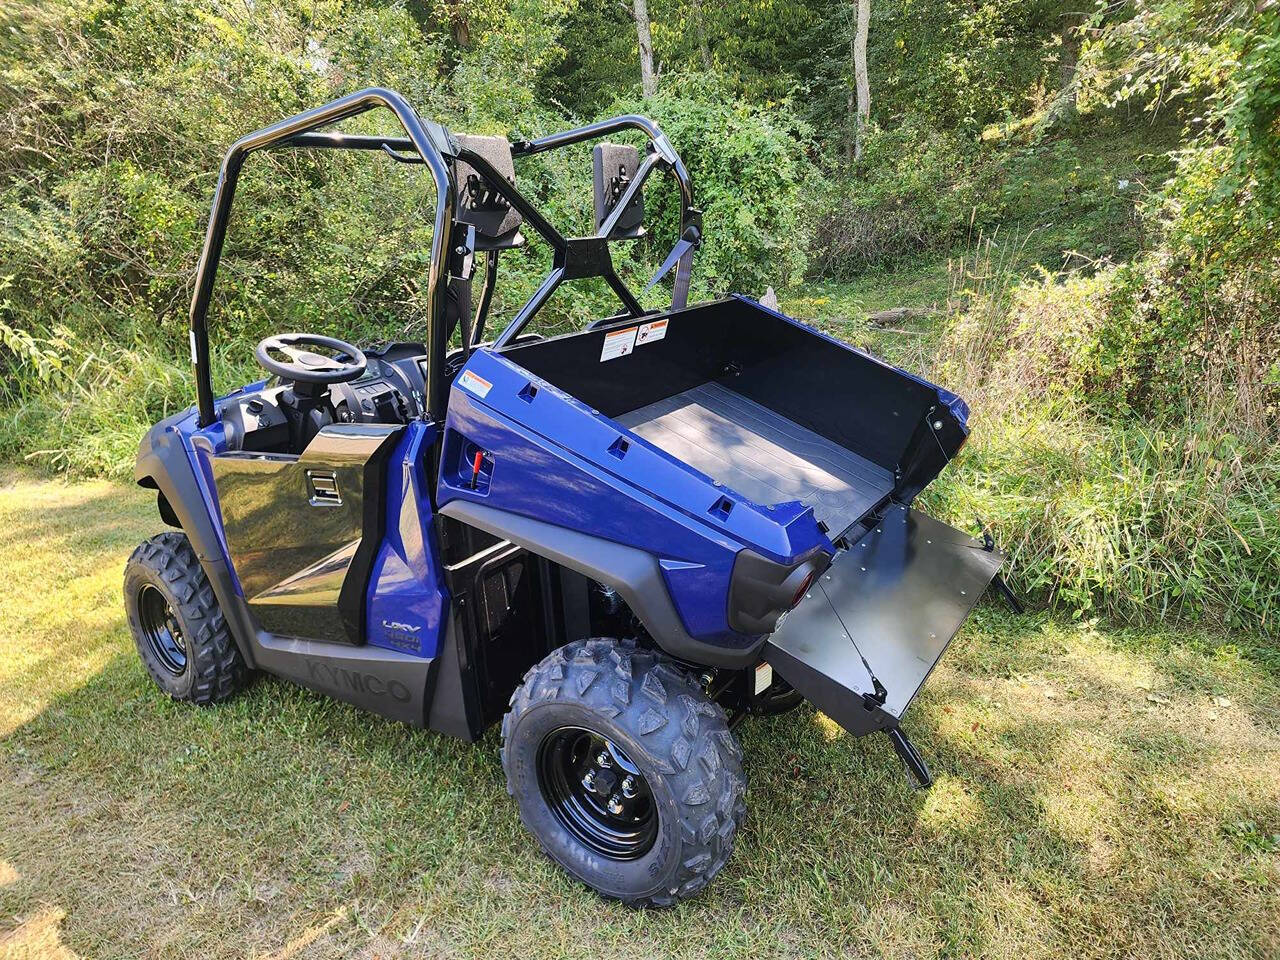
column 1102, row 511
column 81, row 409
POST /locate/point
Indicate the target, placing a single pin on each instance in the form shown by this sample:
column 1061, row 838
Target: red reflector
column 808, row 582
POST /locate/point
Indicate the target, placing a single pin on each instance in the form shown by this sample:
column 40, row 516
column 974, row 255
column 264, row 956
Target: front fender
column 165, row 463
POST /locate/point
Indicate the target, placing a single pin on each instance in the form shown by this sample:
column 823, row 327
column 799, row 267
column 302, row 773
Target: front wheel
column 625, row 771
column 177, row 625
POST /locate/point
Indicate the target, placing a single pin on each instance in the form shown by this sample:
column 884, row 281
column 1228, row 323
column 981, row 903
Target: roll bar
column 431, row 144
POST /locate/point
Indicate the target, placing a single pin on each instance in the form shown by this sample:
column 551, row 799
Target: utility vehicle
column 618, row 542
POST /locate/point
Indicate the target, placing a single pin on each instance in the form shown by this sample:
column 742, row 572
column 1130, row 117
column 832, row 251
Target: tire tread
column 212, row 652
column 687, row 736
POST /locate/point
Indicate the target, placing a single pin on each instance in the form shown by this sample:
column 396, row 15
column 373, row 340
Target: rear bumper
column 862, row 642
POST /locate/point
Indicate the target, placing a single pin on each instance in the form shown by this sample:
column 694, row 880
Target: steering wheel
column 305, row 364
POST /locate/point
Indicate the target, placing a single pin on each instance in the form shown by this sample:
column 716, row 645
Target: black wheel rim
column 779, row 696
column 162, row 632
column 597, row 793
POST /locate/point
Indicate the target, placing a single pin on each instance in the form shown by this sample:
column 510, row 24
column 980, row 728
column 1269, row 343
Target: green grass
column 1101, row 793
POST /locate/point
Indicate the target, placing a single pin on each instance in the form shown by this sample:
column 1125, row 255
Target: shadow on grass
column 248, row 823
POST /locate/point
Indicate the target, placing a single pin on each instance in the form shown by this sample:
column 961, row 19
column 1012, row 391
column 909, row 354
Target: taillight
column 762, row 590
column 804, row 587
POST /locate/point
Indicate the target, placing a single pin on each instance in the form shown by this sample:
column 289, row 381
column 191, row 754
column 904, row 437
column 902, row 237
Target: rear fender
column 635, row 574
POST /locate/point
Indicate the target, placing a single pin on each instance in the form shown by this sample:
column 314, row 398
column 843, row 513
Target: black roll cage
column 431, row 144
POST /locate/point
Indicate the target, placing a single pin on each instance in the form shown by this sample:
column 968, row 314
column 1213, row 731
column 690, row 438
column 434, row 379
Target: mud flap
column 866, row 636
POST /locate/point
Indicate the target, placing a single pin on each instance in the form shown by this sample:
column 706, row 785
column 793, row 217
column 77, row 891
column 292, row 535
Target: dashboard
column 391, row 390
column 277, row 419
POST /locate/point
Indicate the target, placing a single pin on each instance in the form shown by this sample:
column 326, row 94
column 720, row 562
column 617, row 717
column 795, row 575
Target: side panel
column 303, row 533
column 407, row 599
column 178, row 460
column 614, row 492
column 393, row 685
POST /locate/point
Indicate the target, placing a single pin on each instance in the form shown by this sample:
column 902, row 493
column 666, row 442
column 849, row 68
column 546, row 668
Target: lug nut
column 602, row 760
column 614, row 805
column 589, row 781
column 629, row 787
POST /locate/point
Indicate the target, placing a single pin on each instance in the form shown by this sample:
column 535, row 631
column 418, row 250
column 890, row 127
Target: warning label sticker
column 477, row 385
column 651, row 332
column 618, row 344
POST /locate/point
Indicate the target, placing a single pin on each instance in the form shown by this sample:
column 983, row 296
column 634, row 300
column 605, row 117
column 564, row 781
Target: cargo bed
column 761, row 454
column 771, row 409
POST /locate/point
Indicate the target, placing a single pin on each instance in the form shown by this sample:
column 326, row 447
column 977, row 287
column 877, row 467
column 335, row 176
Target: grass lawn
column 1101, row 793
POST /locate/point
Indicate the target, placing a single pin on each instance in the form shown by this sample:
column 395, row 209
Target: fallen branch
column 897, row 314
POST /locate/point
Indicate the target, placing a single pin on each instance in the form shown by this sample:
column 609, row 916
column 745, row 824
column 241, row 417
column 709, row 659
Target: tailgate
column 861, row 643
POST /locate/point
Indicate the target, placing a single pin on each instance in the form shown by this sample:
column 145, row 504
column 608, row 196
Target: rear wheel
column 182, row 638
column 624, row 771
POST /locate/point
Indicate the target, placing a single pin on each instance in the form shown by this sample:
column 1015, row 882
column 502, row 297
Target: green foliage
column 1194, row 325
column 1105, row 508
column 1125, row 427
column 749, row 167
column 916, row 190
column 964, row 64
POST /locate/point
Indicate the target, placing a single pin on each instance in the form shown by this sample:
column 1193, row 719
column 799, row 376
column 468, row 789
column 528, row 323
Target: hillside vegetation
column 1083, row 208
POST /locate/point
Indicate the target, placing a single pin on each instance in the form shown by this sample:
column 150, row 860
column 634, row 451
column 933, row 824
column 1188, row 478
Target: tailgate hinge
column 875, row 700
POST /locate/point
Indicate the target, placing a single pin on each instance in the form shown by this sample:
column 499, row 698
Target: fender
column 164, row 465
column 634, row 573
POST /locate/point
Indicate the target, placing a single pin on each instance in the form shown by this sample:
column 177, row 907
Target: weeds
column 1102, row 510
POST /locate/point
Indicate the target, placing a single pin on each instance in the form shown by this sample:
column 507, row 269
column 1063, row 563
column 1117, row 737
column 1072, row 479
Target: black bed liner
column 761, row 454
column 768, row 407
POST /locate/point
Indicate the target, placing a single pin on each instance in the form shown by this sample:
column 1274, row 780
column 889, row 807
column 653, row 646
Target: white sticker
column 651, row 332
column 763, row 678
column 618, row 344
column 477, row 385
column 193, row 347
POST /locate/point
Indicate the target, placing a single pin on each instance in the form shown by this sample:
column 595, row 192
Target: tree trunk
column 648, row 80
column 700, row 25
column 459, row 24
column 862, row 106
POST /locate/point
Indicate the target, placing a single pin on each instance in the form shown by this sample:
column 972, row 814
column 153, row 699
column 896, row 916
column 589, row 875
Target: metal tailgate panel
column 886, row 608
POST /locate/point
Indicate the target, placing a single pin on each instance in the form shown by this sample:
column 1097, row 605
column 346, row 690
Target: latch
column 322, row 486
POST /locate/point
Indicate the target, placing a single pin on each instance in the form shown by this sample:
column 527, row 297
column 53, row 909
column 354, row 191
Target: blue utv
column 619, row 541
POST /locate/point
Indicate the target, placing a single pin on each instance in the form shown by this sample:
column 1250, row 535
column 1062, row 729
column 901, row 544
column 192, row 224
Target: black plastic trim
column 762, row 590
column 634, row 573
column 390, row 684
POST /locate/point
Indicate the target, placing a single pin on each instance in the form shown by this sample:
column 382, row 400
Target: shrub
column 1105, row 506
column 914, row 189
column 750, row 176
